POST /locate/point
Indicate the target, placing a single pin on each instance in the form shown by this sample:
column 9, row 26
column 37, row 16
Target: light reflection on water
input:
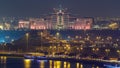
column 79, row 65
column 51, row 63
column 28, row 63
column 65, row 64
column 3, row 59
column 42, row 64
column 57, row 64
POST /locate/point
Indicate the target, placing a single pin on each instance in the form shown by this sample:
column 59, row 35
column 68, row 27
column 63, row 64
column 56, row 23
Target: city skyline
column 38, row 8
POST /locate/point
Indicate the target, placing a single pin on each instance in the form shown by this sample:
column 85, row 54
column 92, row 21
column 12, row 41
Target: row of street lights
column 80, row 49
column 95, row 50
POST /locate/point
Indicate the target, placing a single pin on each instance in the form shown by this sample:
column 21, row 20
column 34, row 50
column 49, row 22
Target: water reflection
column 79, row 65
column 65, row 64
column 42, row 64
column 51, row 63
column 27, row 63
column 3, row 59
column 97, row 67
column 56, row 64
column 6, row 62
column 68, row 65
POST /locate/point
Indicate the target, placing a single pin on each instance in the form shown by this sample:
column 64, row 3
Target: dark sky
column 33, row 8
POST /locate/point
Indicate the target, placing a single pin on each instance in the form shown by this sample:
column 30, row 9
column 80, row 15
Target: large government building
column 60, row 19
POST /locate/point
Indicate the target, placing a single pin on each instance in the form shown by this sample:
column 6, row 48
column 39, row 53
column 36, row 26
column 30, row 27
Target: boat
column 111, row 66
column 35, row 57
column 29, row 57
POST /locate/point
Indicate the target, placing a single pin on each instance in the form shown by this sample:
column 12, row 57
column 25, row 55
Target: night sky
column 34, row 8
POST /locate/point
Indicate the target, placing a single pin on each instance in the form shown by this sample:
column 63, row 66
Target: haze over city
column 37, row 8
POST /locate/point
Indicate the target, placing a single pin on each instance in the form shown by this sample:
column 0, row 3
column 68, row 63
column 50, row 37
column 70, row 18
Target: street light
column 76, row 37
column 69, row 38
column 41, row 33
column 95, row 50
column 58, row 35
column 107, row 51
column 98, row 37
column 118, row 51
column 27, row 38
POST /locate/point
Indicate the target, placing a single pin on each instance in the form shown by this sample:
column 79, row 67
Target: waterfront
column 89, row 43
column 14, row 62
column 72, row 46
column 59, row 34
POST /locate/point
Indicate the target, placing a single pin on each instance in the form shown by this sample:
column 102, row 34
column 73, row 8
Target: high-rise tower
column 60, row 18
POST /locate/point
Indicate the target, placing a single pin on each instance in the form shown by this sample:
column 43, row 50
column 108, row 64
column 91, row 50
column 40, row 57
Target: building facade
column 23, row 24
column 37, row 24
column 82, row 24
column 59, row 20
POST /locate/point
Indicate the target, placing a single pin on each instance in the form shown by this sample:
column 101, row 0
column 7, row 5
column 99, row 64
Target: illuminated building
column 82, row 23
column 60, row 18
column 106, row 23
column 23, row 24
column 37, row 24
column 113, row 25
column 7, row 26
column 1, row 27
column 49, row 24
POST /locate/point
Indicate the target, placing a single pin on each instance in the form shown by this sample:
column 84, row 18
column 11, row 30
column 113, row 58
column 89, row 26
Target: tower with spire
column 60, row 18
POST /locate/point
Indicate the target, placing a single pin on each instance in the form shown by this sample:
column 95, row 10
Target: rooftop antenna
column 60, row 7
